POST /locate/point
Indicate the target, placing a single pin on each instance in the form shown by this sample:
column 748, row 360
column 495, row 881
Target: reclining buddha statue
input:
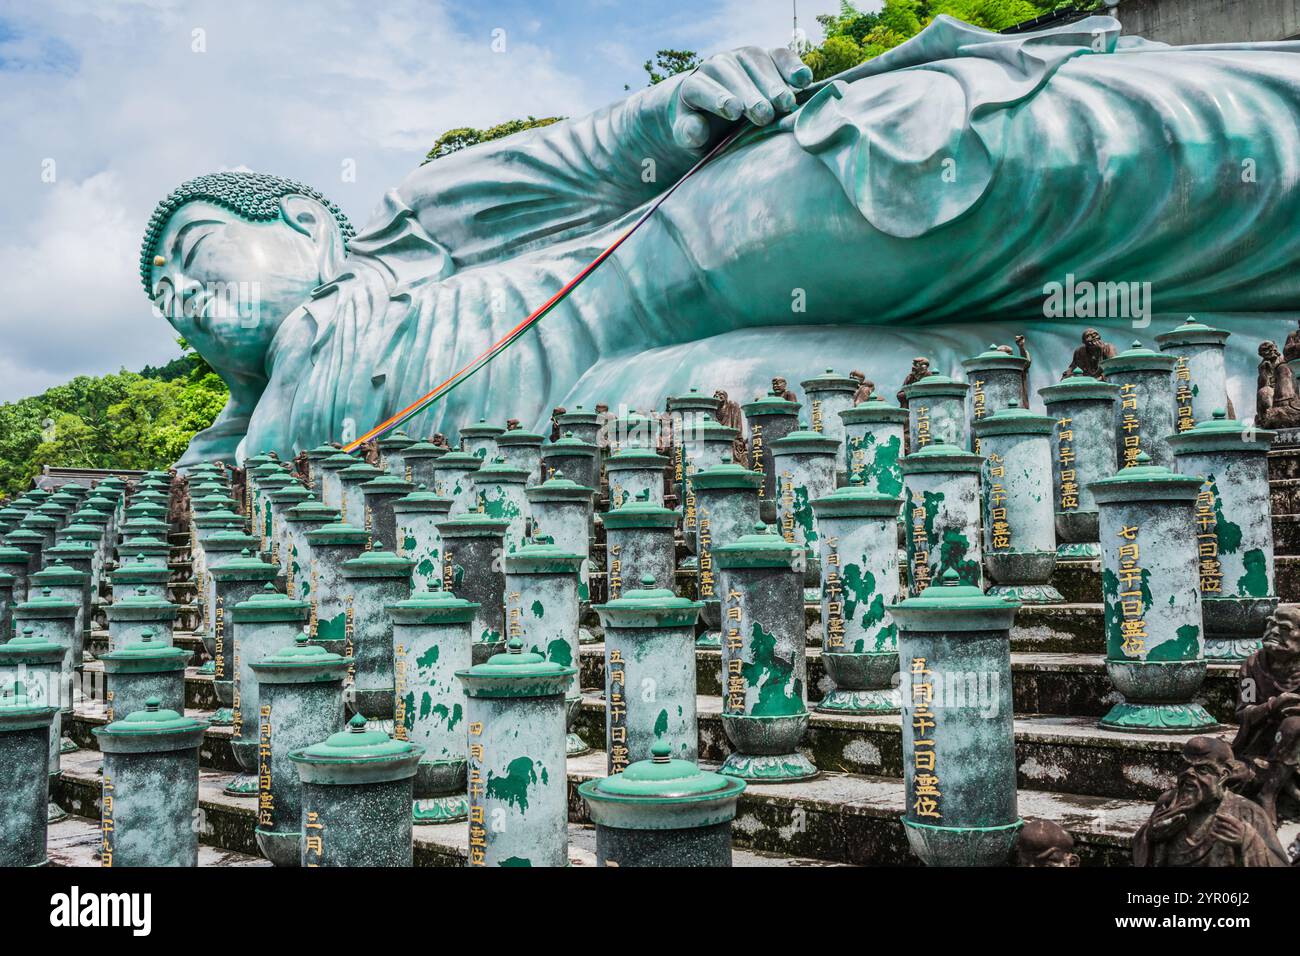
column 923, row 201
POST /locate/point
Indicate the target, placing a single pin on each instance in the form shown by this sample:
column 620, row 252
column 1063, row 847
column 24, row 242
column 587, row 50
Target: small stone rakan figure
column 1291, row 348
column 920, row 369
column 1087, row 357
column 1029, row 361
column 1200, row 822
column 1042, row 843
column 512, row 424
column 556, row 412
column 729, row 415
column 782, row 390
column 1268, row 712
column 370, row 452
column 865, row 388
column 439, row 439
column 1277, row 404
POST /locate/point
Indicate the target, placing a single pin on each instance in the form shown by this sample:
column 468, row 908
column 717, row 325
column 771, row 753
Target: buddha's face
column 226, row 284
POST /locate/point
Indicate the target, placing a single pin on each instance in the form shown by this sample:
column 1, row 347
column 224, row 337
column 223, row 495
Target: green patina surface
column 772, row 677
column 661, row 723
column 450, row 716
column 332, row 628
column 457, row 576
column 803, row 515
column 496, row 504
column 884, row 467
column 1182, row 647
column 860, row 592
column 408, row 544
column 1114, row 616
column 1226, row 532
column 559, row 652
column 490, row 635
column 1254, row 583
column 953, row 551
column 513, row 787
column 538, row 610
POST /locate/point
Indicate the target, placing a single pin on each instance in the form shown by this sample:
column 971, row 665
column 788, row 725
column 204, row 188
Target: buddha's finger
column 762, row 70
column 691, row 130
column 731, row 75
column 795, row 71
column 702, row 92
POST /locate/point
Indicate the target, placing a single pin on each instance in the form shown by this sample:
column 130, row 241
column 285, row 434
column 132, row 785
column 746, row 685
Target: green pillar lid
column 805, row 441
column 935, row 385
column 516, row 674
column 873, row 411
column 21, row 535
column 1013, row 420
column 155, row 728
column 45, row 607
column 387, row 484
column 37, row 520
column 378, row 563
column 649, row 607
column 1191, row 332
column 950, row 605
column 301, row 662
column 82, row 532
column 141, row 570
column 662, row 778
column 339, row 532
column 271, row 482
column 855, row 501
column 395, row 441
column 146, row 655
column 634, row 457
column 706, row 429
column 247, row 567
column 640, row 514
column 292, row 494
column 1222, row 433
column 995, row 358
column 518, row 436
column 321, row 452
column 459, row 459
column 500, row 471
column 1078, row 387
column 726, row 474
column 78, row 550
column 633, row 419
column 424, row 449
column 578, row 415
column 254, row 462
column 543, row 556
column 217, row 518
column 266, row 469
column 144, row 526
column 1145, row 482
column 214, row 500
column 433, row 607
column 340, row 459
column 761, row 548
column 59, row 574
column 91, row 516
column 693, row 401
column 567, row 444
column 10, row 555
column 357, row 744
column 559, row 488
column 830, row 381
column 481, row 430
column 939, row 456
column 100, row 502
column 19, row 712
column 140, row 606
column 765, row 405
column 475, row 524
column 422, row 500
column 12, row 514
column 40, row 493
column 312, row 509
column 270, row 606
column 28, row 648
column 1138, row 358
column 7, row 580
column 232, row 538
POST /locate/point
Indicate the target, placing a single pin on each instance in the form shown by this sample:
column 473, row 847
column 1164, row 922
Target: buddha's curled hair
column 251, row 196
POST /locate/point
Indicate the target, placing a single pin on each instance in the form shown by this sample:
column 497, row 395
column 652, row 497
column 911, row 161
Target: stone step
column 1287, row 571
column 227, row 837
column 76, row 841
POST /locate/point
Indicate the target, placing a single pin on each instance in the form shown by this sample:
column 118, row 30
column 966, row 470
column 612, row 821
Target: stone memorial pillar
column 473, row 569
column 562, row 510
column 805, row 463
column 694, row 424
column 770, row 417
column 25, row 732
column 873, row 439
column 828, row 396
column 373, row 581
column 522, row 450
column 943, row 514
column 1200, row 376
column 392, row 453
column 727, row 508
column 234, row 582
column 331, row 485
column 499, row 490
column 139, row 572
column 144, row 667
column 707, row 444
column 635, row 474
column 421, row 463
column 417, row 517
column 353, row 508
column 299, row 521
column 37, row 665
column 15, row 563
column 1144, row 411
column 332, row 547
column 1083, row 451
column 639, row 540
column 456, row 471
column 936, row 411
column 480, row 440
column 584, row 425
column 380, row 495
column 578, row 460
column 281, row 501
column 223, row 547
column 515, row 713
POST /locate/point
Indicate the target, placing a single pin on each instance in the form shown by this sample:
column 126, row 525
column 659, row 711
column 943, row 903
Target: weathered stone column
column 331, row 485
column 633, row 430
column 222, row 547
column 421, row 460
column 315, row 466
column 42, row 525
column 31, row 543
column 1200, row 378
column 578, row 460
column 234, row 582
column 1155, row 648
column 584, row 425
column 54, row 620
column 518, row 788
column 663, row 812
column 7, row 604
column 432, row 640
column 500, row 491
column 997, row 380
column 936, row 411
column 1234, row 531
column 373, row 581
column 873, row 439
column 472, row 568
column 37, row 664
column 635, row 474
column 562, row 510
column 380, row 495
column 770, row 417
column 480, row 440
column 1018, row 515
column 62, row 582
column 805, row 463
column 139, row 612
column 300, row 689
column 649, row 675
column 417, row 516
column 262, row 521
column 860, row 583
column 456, row 471
column 688, row 414
column 25, row 732
column 356, row 798
column 764, row 665
column 392, row 448
column 353, row 508
column 1144, row 411
column 265, row 622
column 150, row 788
column 15, row 563
column 706, row 444
column 281, row 501
column 542, row 611
column 138, row 572
column 523, row 450
column 1083, row 451
column 727, row 508
column 299, row 521
column 959, row 746
column 145, row 667
column 332, row 546
column 943, row 511
column 639, row 541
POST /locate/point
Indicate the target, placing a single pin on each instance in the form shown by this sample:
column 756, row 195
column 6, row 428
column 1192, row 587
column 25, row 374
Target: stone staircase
column 1097, row 784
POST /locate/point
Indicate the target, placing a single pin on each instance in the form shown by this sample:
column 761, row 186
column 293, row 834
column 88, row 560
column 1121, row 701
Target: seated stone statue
column 1277, row 402
column 914, row 196
column 1268, row 715
column 1200, row 822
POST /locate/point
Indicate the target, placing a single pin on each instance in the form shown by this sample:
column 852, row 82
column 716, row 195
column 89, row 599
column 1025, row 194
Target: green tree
column 668, row 63
column 454, row 140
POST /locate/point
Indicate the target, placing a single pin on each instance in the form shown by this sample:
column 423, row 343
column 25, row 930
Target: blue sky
column 107, row 105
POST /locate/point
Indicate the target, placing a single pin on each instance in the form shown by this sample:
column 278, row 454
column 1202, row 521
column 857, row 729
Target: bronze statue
column 512, row 424
column 1024, row 376
column 302, row 468
column 556, row 412
column 1201, row 822
column 178, row 502
column 370, row 452
column 729, row 415
column 1042, row 843
column 439, row 439
column 1277, row 404
column 920, row 369
column 782, row 390
column 1088, row 357
column 865, row 388
column 1268, row 712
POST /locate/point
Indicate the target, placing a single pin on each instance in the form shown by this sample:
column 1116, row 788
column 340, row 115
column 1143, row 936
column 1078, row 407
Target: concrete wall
column 1209, row 21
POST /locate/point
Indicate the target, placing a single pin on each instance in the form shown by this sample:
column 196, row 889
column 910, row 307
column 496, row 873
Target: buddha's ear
column 309, row 217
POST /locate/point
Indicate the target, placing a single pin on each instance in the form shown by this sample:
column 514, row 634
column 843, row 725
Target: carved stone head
column 1044, row 843
column 1282, row 636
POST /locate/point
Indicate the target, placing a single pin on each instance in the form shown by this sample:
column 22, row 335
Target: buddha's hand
column 757, row 84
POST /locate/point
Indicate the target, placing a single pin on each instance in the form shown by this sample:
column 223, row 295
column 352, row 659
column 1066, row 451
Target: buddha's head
column 227, row 256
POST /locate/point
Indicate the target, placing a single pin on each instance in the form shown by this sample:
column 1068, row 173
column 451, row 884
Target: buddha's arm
column 498, row 199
